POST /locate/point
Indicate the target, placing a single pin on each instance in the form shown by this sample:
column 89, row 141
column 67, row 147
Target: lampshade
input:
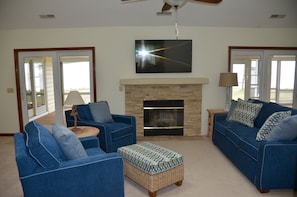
column 74, row 98
column 228, row 79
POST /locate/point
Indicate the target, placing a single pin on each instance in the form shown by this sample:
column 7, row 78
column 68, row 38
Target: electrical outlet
column 9, row 90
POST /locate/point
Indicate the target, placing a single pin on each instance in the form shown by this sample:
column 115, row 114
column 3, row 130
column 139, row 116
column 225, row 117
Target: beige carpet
column 207, row 174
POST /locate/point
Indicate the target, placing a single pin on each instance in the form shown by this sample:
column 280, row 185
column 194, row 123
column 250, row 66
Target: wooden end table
column 85, row 131
column 211, row 113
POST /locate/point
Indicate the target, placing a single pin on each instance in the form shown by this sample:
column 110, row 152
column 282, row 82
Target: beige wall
column 115, row 58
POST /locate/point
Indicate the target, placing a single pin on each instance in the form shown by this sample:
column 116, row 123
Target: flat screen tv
column 163, row 56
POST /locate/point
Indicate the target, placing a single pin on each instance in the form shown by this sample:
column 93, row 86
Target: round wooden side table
column 85, row 131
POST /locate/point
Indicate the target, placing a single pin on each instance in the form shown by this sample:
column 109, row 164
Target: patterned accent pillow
column 245, row 113
column 270, row 124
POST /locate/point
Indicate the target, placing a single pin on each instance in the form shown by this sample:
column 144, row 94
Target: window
column 266, row 74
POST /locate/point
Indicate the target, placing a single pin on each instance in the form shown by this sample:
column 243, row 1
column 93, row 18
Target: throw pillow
column 245, row 113
column 69, row 143
column 270, row 124
column 100, row 111
column 286, row 130
column 267, row 110
column 231, row 110
column 42, row 146
column 84, row 113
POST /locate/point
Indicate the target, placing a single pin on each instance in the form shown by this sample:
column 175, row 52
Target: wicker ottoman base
column 157, row 181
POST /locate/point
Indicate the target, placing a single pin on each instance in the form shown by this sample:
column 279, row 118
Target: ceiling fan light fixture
column 176, row 3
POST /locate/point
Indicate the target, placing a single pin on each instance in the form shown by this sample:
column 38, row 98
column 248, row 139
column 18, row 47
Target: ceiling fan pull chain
column 176, row 31
column 176, row 25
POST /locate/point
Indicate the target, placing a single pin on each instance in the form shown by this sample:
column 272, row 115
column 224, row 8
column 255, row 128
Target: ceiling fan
column 168, row 4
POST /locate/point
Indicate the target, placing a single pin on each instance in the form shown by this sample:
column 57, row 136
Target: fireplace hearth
column 163, row 117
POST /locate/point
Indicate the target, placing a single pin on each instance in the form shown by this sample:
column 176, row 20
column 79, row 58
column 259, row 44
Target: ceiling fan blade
column 131, row 1
column 209, row 1
column 166, row 7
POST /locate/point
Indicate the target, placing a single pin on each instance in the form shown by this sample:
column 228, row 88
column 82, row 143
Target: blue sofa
column 267, row 164
column 45, row 171
column 120, row 132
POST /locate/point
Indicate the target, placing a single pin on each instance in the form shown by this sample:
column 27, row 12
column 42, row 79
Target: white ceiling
column 17, row 14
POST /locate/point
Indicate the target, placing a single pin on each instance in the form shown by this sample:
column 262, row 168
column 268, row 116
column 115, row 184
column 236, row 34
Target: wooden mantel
column 162, row 81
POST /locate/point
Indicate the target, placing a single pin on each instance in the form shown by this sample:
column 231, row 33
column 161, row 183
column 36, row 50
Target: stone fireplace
column 189, row 90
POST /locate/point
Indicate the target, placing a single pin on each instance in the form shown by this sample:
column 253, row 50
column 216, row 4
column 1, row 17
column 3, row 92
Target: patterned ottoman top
column 151, row 158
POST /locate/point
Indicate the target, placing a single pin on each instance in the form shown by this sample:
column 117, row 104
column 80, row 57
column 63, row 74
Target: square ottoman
column 152, row 166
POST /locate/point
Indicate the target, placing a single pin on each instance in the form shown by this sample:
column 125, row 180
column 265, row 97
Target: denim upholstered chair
column 44, row 169
column 121, row 131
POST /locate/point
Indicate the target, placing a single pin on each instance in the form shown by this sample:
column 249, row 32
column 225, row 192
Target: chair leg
column 263, row 190
column 152, row 194
column 179, row 183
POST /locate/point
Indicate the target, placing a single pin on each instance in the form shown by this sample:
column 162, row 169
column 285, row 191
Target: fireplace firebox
column 163, row 117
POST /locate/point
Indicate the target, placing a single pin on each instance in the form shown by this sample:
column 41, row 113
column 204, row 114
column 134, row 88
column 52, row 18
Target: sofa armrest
column 90, row 142
column 103, row 135
column 219, row 117
column 277, row 165
column 99, row 175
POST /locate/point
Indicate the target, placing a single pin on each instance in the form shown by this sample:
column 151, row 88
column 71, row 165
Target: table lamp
column 74, row 98
column 228, row 80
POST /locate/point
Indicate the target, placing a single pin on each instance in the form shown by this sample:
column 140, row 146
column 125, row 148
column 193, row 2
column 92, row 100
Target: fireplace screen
column 163, row 117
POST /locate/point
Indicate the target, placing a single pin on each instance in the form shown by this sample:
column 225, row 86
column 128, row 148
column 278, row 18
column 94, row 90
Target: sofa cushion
column 286, row 130
column 222, row 126
column 69, row 143
column 267, row 110
column 42, row 146
column 245, row 113
column 100, row 112
column 237, row 131
column 84, row 113
column 243, row 137
column 294, row 111
column 271, row 122
column 94, row 151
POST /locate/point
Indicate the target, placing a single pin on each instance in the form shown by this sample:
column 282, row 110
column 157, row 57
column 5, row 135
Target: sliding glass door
column 35, row 86
column 75, row 75
column 268, row 75
column 47, row 77
column 282, row 79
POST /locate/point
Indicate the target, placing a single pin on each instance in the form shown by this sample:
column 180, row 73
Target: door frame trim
column 17, row 74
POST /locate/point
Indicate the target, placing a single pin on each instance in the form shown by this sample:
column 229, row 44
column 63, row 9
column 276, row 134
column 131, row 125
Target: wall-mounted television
column 163, row 56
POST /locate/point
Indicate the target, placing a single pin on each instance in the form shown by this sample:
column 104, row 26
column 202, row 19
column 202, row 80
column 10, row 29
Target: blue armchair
column 44, row 171
column 120, row 132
